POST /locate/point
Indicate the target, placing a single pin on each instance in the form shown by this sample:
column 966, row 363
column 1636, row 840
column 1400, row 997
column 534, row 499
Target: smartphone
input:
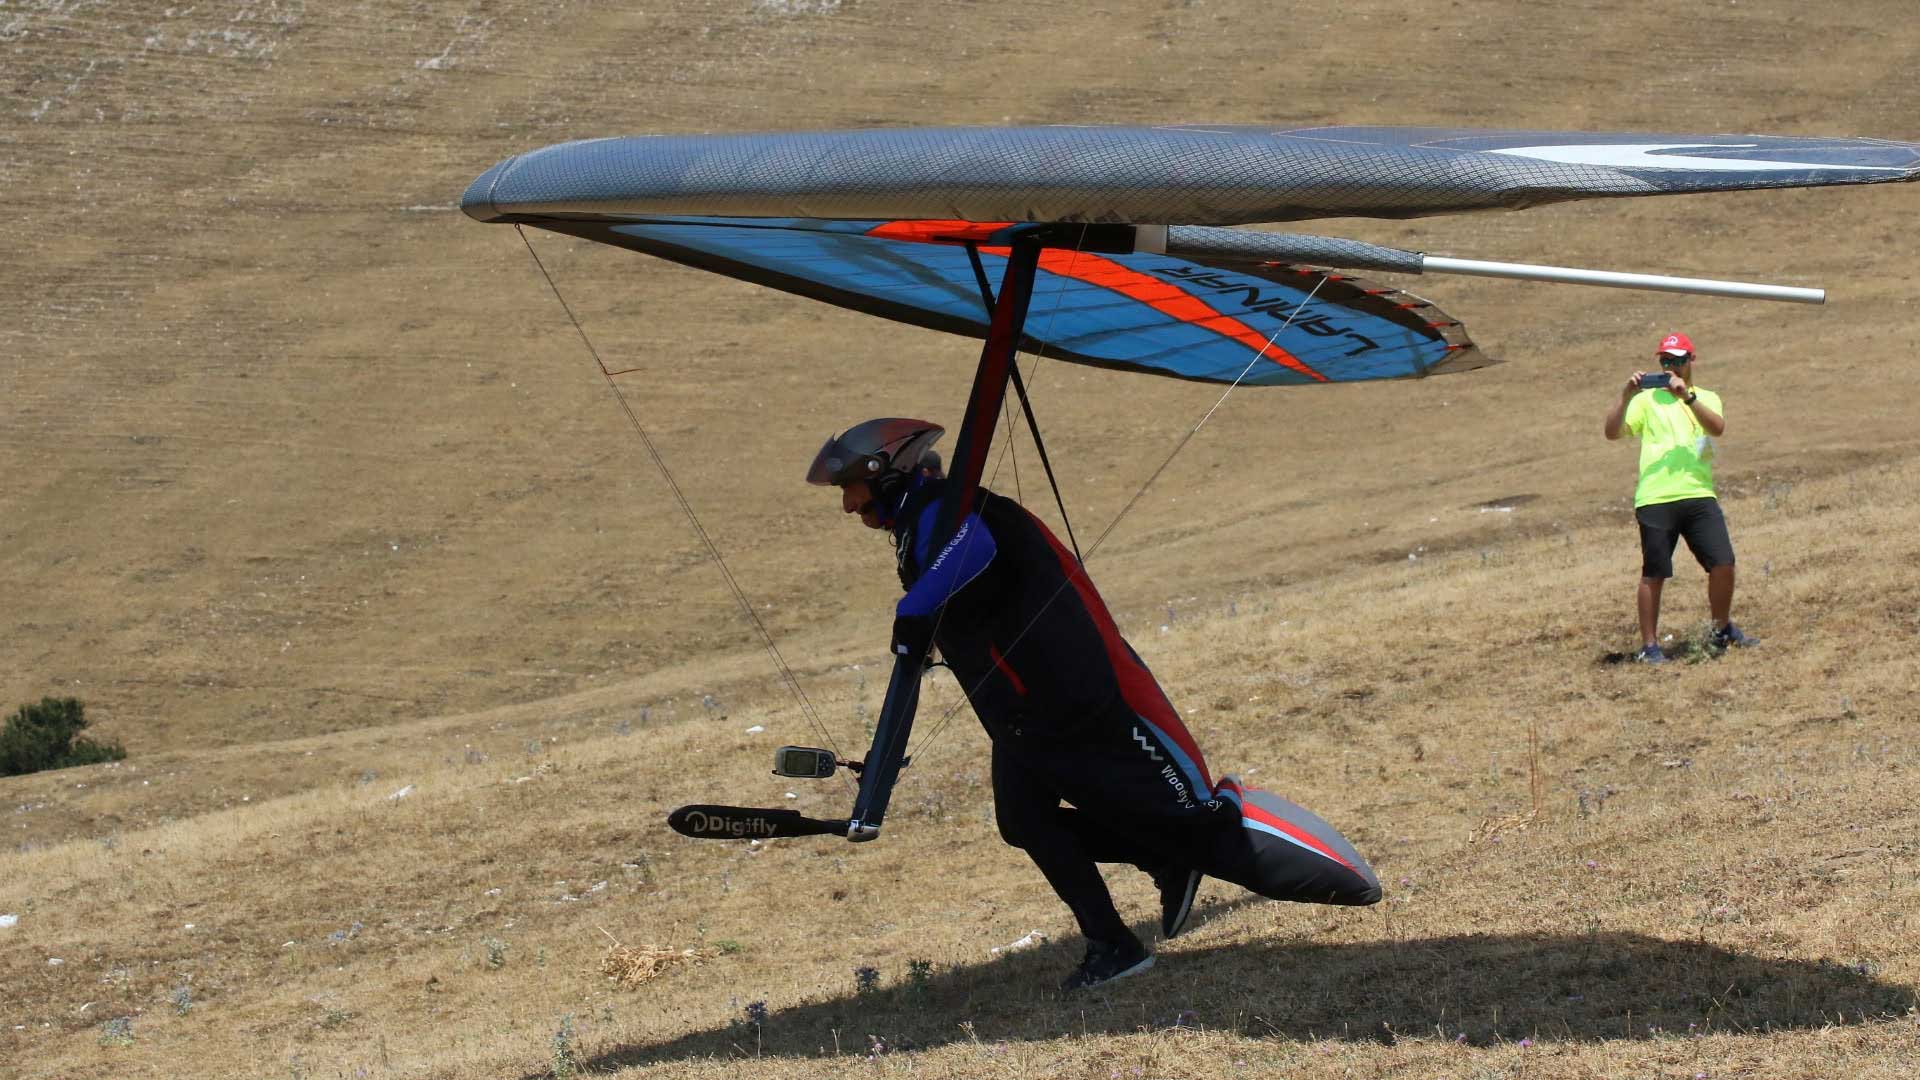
column 1659, row 380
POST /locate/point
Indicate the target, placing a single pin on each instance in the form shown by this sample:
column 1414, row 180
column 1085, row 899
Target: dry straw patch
column 632, row 966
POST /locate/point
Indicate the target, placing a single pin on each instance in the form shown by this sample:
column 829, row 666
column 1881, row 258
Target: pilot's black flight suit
column 1075, row 716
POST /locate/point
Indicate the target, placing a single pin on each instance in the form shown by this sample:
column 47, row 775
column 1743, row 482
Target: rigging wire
column 1006, row 450
column 941, row 725
column 1188, row 437
column 1040, row 445
column 1020, row 384
column 686, row 507
column 1013, row 454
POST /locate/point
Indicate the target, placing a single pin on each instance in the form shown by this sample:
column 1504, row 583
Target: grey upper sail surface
column 1187, row 175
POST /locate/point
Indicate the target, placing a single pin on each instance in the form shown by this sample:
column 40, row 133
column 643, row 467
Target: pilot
column 1074, row 715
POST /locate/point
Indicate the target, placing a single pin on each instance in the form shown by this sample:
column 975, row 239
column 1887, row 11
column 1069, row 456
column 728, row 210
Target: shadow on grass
column 1694, row 647
column 1478, row 989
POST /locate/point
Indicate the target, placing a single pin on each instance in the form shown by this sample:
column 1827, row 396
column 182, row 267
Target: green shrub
column 47, row 736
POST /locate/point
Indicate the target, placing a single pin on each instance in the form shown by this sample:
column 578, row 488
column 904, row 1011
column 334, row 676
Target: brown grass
column 1723, row 873
column 313, row 498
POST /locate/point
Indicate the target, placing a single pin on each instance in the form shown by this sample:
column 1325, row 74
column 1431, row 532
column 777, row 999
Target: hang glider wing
column 889, row 221
column 1159, row 175
column 1140, row 311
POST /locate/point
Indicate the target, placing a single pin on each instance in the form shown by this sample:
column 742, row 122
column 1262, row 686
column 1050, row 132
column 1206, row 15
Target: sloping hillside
column 310, row 491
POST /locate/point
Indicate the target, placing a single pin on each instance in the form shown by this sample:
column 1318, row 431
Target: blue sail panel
column 1137, row 311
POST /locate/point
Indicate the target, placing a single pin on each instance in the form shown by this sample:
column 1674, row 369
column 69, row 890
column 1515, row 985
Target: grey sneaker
column 1650, row 654
column 1177, row 886
column 1107, row 961
column 1730, row 637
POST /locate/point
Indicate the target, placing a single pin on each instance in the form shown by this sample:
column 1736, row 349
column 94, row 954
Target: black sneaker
column 1177, row 885
column 1107, row 961
column 1730, row 637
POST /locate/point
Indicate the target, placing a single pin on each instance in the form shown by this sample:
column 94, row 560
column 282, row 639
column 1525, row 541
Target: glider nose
column 477, row 201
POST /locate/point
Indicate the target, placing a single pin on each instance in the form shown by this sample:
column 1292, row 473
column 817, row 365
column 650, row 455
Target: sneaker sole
column 1171, row 926
column 1134, row 970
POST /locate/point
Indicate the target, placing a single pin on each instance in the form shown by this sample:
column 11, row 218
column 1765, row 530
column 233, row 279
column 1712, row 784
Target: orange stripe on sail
column 939, row 232
column 1166, row 298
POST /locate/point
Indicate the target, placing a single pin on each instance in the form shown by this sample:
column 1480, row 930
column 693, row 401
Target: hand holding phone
column 1658, row 380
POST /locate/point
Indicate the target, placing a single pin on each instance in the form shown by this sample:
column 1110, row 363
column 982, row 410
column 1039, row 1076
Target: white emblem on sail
column 1662, row 156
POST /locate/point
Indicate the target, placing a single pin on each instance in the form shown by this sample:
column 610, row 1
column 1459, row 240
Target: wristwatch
column 1691, row 394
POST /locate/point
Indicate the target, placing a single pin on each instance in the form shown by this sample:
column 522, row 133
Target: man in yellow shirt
column 1677, row 422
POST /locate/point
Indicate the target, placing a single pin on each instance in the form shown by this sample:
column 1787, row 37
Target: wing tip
column 477, row 201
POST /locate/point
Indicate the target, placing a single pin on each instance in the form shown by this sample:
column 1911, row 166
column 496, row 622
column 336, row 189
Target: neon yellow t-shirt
column 1676, row 453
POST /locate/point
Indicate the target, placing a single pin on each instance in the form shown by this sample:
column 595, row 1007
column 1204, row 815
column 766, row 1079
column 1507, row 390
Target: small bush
column 117, row 1032
column 919, row 978
column 47, row 736
column 565, row 1064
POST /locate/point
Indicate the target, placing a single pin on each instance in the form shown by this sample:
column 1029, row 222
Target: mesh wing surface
column 1169, row 175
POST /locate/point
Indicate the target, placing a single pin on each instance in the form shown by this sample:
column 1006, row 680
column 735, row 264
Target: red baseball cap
column 1676, row 345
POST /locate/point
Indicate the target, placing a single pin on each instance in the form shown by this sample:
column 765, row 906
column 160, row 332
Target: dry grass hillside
column 309, row 490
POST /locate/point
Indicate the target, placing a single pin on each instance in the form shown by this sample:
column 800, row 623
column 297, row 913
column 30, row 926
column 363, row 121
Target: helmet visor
column 834, row 464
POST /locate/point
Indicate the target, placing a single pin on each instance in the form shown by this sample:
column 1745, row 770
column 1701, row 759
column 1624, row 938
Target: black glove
column 913, row 637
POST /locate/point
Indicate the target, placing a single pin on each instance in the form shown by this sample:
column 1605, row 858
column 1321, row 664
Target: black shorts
column 1663, row 524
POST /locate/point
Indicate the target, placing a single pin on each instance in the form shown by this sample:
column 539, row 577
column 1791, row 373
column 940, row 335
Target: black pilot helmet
column 883, row 452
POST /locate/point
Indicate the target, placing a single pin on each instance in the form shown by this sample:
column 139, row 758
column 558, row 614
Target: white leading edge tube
column 1435, row 264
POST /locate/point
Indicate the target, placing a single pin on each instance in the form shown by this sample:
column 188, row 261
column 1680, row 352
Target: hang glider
column 1143, row 273
column 1122, row 244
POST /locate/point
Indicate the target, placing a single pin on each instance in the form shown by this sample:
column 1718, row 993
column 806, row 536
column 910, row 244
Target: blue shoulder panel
column 958, row 562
